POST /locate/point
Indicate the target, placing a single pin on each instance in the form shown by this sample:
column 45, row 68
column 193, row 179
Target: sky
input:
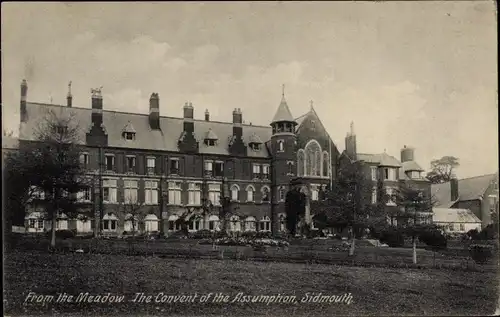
column 416, row 73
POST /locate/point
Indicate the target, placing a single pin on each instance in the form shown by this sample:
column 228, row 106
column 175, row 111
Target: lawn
column 375, row 291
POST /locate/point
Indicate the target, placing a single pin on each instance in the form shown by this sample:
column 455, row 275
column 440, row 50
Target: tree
column 50, row 164
column 413, row 203
column 442, row 169
column 132, row 208
column 348, row 203
column 294, row 209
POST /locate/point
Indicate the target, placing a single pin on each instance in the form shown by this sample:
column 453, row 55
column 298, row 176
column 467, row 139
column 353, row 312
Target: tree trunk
column 414, row 250
column 353, row 242
column 53, row 232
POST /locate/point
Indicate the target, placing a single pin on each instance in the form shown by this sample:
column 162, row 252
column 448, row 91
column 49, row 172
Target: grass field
column 378, row 291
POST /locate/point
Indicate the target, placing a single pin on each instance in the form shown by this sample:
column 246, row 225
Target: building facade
column 165, row 166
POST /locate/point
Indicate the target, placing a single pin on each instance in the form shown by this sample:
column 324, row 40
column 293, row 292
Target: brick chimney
column 154, row 111
column 97, row 136
column 24, row 94
column 207, row 115
column 454, row 189
column 69, row 97
column 407, row 154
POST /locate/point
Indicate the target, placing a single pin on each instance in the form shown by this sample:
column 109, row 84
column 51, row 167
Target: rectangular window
column 40, row 223
column 462, row 227
column 130, row 164
column 32, row 223
column 194, row 194
column 151, row 162
column 374, row 195
column 214, row 194
column 109, row 189
column 374, row 173
column 110, row 162
column 314, row 192
column 174, row 166
column 208, row 168
column 265, row 171
column 219, row 169
column 84, row 194
column 130, row 191
column 151, row 192
column 174, row 193
column 84, row 160
column 256, row 171
column 389, row 174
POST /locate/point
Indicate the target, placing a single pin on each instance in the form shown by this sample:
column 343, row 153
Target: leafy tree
column 50, row 164
column 294, row 209
column 412, row 203
column 442, row 169
column 348, row 203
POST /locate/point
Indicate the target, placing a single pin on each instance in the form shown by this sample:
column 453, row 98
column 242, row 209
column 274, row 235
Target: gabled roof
column 382, row 159
column 164, row 139
column 453, row 215
column 210, row 135
column 129, row 128
column 254, row 138
column 283, row 113
column 468, row 189
column 409, row 166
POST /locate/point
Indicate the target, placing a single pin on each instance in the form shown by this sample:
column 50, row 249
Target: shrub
column 392, row 237
column 62, row 234
column 433, row 238
column 249, row 234
column 481, row 253
column 202, row 234
column 263, row 235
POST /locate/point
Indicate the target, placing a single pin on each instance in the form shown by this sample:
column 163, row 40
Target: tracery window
column 313, row 159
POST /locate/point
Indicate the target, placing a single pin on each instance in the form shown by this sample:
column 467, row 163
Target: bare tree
column 132, row 207
column 50, row 164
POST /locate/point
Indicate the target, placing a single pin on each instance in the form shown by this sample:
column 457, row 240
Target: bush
column 433, row 238
column 392, row 237
column 263, row 235
column 202, row 234
column 481, row 253
column 249, row 234
column 62, row 234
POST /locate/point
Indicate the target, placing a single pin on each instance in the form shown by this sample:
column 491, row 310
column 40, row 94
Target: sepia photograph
column 250, row 158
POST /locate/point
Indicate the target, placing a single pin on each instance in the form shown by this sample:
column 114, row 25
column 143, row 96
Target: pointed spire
column 311, row 103
column 283, row 92
column 352, row 128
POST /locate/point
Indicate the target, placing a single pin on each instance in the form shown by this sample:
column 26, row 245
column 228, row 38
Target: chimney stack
column 207, row 115
column 188, row 111
column 69, row 97
column 237, row 117
column 96, row 107
column 454, row 189
column 24, row 94
column 154, row 111
column 407, row 154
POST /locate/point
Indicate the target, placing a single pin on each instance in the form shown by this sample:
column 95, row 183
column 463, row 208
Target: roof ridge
column 144, row 114
column 484, row 175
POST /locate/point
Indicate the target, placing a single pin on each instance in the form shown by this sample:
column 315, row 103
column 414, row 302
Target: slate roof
column 163, row 140
column 283, row 113
column 452, row 215
column 129, row 128
column 409, row 166
column 468, row 189
column 382, row 159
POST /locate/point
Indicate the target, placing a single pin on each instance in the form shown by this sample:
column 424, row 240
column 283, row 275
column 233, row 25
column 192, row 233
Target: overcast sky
column 422, row 74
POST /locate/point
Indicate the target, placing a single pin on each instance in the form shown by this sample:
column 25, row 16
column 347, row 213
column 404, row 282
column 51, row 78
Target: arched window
column 172, row 223
column 235, row 192
column 250, row 224
column 131, row 224
column 151, row 223
column 109, row 222
column 313, row 158
column 265, row 194
column 265, row 224
column 213, row 223
column 281, row 193
column 282, row 221
column 281, row 146
column 35, row 222
column 301, row 157
column 250, row 193
column 234, row 223
column 326, row 164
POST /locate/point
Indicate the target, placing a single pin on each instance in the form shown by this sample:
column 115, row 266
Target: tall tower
column 284, row 152
column 350, row 143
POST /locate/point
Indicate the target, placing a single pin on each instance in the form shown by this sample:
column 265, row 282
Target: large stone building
column 170, row 166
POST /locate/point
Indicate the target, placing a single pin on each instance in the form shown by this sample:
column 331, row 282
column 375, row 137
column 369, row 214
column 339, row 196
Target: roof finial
column 283, row 91
column 311, row 102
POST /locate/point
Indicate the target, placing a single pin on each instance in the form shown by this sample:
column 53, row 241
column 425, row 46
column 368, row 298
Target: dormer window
column 210, row 138
column 128, row 132
column 129, row 136
column 255, row 142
